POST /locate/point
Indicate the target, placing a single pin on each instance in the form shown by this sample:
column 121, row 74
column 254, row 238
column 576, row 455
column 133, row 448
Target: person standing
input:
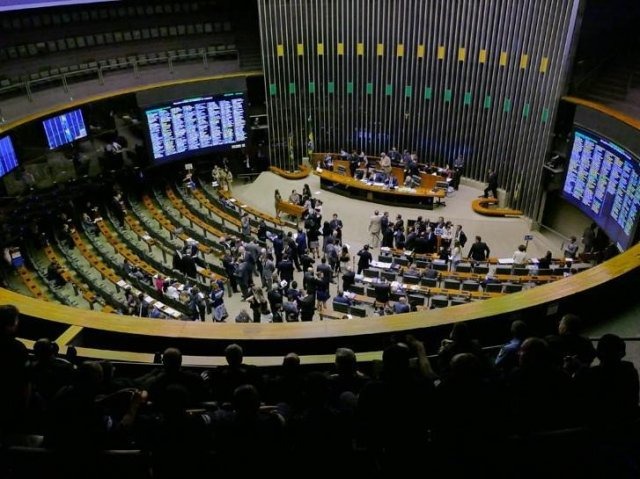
column 365, row 258
column 277, row 197
column 458, row 168
column 588, row 238
column 571, row 249
column 460, row 236
column 492, row 185
column 479, row 250
column 375, row 224
column 456, row 255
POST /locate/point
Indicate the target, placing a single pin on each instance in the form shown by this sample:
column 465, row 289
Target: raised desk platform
column 481, row 206
column 413, row 198
column 302, row 172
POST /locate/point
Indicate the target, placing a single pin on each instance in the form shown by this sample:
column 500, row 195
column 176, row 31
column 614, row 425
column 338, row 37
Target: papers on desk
column 380, row 265
column 349, row 295
column 505, row 260
column 146, row 237
column 386, row 249
column 233, row 200
column 408, row 253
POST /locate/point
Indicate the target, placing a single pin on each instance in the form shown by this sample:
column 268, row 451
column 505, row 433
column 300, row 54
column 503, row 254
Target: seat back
column 341, row 307
column 470, row 286
column 422, row 264
column 512, row 287
column 519, row 271
column 389, row 275
column 493, row 288
column 410, row 279
column 452, row 284
column 440, row 266
column 401, row 261
column 358, row 289
column 503, row 269
column 463, row 268
column 416, row 300
column 439, row 302
column 385, row 258
column 357, row 311
column 371, row 273
column 481, row 268
column 429, row 282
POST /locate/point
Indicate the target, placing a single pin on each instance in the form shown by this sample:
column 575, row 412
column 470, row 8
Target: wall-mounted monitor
column 65, row 128
column 8, row 157
column 195, row 126
column 603, row 181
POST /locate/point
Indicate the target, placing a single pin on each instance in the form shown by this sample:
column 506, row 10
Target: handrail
column 100, row 69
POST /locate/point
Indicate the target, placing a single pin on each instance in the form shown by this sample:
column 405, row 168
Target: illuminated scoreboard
column 196, row 125
column 603, row 180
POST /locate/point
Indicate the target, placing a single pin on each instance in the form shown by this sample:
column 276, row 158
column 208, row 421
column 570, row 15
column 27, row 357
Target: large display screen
column 603, row 180
column 196, row 125
column 65, row 128
column 8, row 158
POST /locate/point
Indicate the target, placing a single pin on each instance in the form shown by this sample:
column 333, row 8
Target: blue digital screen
column 196, row 125
column 65, row 128
column 8, row 158
column 603, row 181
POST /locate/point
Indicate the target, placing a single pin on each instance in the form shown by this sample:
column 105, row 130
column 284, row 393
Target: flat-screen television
column 8, row 157
column 65, row 128
column 194, row 126
column 603, row 180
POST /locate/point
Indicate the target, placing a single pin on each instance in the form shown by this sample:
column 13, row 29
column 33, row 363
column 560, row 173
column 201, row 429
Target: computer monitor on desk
column 441, row 185
column 341, row 170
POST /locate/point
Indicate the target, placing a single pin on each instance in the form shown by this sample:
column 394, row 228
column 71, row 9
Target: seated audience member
column 401, row 306
column 327, row 163
column 172, row 373
column 609, row 391
column 577, row 351
column 347, row 378
column 538, row 391
column 383, row 293
column 54, row 274
column 545, row 261
column 48, row 373
column 342, row 299
column 225, row 379
column 459, row 341
column 507, row 358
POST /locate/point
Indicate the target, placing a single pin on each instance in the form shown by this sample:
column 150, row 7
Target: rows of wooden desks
column 113, row 277
column 252, row 211
column 428, row 291
column 29, row 281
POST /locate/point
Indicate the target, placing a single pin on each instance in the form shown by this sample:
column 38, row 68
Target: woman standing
column 277, row 198
column 456, row 255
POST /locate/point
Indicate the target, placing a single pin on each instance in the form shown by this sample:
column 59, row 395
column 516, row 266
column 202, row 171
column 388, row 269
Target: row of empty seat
column 43, row 19
column 110, row 38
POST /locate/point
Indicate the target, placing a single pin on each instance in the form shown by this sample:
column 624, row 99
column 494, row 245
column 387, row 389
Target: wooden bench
column 481, row 206
column 29, row 281
column 303, row 172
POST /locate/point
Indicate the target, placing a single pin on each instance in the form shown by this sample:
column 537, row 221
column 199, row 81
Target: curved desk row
column 482, row 207
column 299, row 174
column 420, row 197
column 124, row 336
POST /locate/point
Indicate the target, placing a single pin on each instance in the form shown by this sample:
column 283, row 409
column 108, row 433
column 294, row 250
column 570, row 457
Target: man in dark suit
column 492, row 185
column 479, row 250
